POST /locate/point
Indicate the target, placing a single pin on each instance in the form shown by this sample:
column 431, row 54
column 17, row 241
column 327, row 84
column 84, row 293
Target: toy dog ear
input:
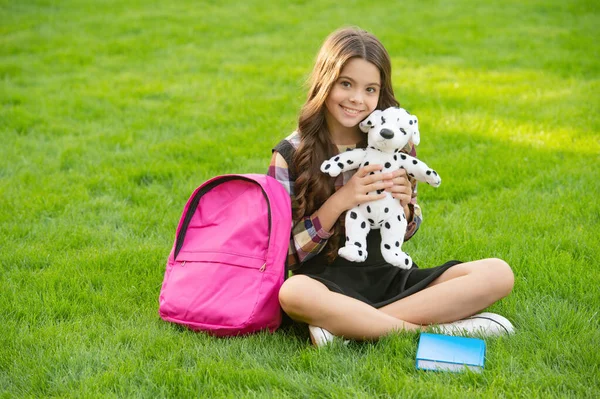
column 414, row 122
column 368, row 123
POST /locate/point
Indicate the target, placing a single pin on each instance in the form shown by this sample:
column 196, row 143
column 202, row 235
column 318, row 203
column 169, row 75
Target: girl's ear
column 368, row 123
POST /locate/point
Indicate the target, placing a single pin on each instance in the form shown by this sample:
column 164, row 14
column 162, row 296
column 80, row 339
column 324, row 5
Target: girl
column 335, row 297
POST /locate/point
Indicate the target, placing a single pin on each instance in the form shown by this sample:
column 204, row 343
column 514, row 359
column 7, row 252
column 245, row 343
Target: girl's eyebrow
column 353, row 81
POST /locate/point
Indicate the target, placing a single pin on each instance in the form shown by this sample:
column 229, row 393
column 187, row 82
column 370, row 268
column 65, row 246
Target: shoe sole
column 497, row 319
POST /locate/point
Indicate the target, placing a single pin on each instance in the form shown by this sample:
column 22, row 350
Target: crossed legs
column 460, row 291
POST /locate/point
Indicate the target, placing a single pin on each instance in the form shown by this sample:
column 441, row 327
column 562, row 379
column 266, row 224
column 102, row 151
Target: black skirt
column 374, row 281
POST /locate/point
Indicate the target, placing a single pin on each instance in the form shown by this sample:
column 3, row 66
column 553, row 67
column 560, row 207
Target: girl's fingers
column 401, row 185
column 366, row 170
column 400, row 182
column 372, row 180
column 379, row 185
column 376, row 177
column 397, row 175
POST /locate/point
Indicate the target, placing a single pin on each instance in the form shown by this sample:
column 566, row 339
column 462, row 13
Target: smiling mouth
column 351, row 111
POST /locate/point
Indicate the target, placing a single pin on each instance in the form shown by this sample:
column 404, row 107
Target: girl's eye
column 371, row 90
column 345, row 84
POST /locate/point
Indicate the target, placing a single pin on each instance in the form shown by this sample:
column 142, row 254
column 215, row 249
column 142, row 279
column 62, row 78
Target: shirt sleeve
column 308, row 238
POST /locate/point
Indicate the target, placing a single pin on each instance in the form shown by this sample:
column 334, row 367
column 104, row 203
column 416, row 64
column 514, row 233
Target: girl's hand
column 402, row 189
column 354, row 192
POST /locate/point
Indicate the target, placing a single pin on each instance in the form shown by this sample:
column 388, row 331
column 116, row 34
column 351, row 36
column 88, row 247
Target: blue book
column 445, row 352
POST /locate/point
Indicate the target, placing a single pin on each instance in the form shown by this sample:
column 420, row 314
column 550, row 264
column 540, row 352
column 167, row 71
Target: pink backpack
column 228, row 260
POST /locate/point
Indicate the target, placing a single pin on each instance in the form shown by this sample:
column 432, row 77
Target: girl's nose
column 356, row 97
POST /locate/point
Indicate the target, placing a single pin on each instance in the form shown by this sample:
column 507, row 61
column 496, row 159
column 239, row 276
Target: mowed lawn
column 113, row 112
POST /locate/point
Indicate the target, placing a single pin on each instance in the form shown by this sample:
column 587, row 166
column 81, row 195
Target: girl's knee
column 295, row 294
column 500, row 276
column 289, row 291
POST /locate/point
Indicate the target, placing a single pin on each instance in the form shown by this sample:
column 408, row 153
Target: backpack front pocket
column 203, row 294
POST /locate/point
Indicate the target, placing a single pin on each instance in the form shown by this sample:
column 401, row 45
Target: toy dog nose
column 386, row 133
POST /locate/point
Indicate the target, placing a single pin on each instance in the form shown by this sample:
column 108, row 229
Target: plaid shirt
column 308, row 237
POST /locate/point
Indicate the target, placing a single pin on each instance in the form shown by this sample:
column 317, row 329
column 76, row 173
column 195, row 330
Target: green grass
column 114, row 111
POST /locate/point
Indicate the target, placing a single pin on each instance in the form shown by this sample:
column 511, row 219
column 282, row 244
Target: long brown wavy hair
column 312, row 188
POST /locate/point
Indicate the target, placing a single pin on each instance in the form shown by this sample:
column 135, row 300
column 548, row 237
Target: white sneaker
column 483, row 324
column 320, row 336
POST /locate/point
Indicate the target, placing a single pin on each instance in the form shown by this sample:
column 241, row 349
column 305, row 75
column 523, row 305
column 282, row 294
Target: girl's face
column 353, row 96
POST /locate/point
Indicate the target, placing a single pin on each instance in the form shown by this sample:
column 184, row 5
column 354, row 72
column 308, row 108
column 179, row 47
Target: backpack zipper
column 262, row 268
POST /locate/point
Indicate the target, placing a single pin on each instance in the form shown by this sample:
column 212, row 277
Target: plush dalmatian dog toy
column 388, row 132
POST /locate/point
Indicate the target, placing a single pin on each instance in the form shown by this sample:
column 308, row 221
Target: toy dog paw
column 333, row 167
column 353, row 253
column 432, row 178
column 397, row 258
